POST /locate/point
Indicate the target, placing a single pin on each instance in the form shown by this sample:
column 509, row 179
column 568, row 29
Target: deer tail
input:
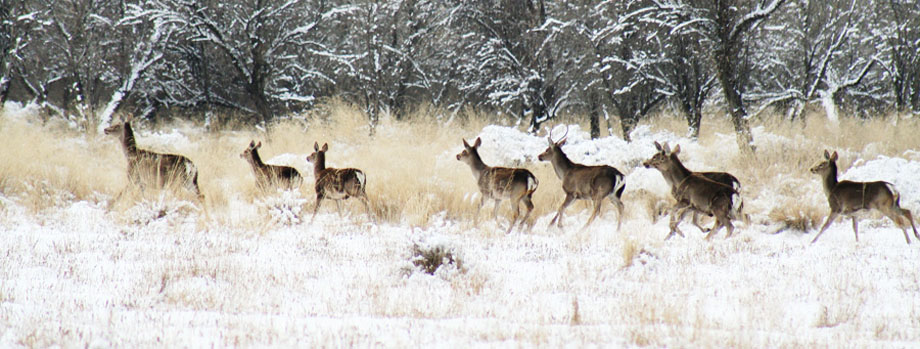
column 621, row 186
column 362, row 179
column 894, row 194
column 532, row 183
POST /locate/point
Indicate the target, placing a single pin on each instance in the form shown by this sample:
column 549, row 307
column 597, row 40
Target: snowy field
column 168, row 273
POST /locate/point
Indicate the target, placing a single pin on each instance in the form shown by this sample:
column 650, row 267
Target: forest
column 529, row 61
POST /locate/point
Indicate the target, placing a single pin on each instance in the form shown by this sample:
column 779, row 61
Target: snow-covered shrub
column 164, row 208
column 285, row 208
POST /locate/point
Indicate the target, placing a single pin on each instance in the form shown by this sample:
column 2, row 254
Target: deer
column 145, row 164
column 719, row 177
column 694, row 192
column 583, row 182
column 497, row 183
column 848, row 198
column 336, row 183
column 270, row 175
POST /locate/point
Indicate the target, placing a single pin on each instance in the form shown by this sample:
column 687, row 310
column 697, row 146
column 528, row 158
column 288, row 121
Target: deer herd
column 715, row 194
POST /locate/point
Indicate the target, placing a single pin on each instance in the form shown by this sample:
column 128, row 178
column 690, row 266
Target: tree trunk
column 726, row 77
column 627, row 124
column 595, row 117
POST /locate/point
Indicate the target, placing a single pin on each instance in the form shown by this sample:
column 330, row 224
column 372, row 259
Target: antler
column 561, row 138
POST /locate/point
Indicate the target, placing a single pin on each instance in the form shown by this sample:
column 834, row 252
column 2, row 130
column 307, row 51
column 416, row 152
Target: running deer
column 719, row 177
column 697, row 193
column 497, row 183
column 145, row 165
column 584, row 182
column 847, row 198
column 336, row 183
column 270, row 175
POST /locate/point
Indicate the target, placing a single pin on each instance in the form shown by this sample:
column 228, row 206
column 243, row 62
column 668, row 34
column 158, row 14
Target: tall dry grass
column 410, row 164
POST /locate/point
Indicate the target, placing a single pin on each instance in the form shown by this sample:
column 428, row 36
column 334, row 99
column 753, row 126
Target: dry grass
column 412, row 172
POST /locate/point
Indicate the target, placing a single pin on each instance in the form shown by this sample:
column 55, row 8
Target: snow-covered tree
column 259, row 53
column 725, row 27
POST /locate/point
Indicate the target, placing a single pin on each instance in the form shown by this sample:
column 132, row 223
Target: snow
column 160, row 273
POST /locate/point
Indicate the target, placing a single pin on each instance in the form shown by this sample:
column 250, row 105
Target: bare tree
column 725, row 26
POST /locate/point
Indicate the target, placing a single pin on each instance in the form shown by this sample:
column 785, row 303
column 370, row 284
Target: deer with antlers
column 718, row 177
column 336, row 183
column 270, row 175
column 145, row 165
column 694, row 192
column 848, row 198
column 584, row 182
column 497, row 183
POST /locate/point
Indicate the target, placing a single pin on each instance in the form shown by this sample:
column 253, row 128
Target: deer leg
column 517, row 211
column 910, row 218
column 319, row 200
column 338, row 207
column 482, row 202
column 720, row 221
column 565, row 203
column 498, row 201
column 619, row 205
column 529, row 204
column 856, row 228
column 597, row 208
column 827, row 223
column 894, row 216
column 367, row 206
column 677, row 215
column 695, row 219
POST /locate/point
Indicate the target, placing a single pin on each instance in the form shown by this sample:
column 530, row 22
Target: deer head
column 318, row 157
column 467, row 154
column 555, row 148
column 253, row 147
column 829, row 162
column 662, row 159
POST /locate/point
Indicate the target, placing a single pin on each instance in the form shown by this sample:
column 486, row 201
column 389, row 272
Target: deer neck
column 562, row 165
column 320, row 165
column 127, row 141
column 830, row 179
column 477, row 165
column 676, row 172
column 255, row 159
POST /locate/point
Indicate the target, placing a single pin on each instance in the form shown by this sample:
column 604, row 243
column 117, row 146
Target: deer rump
column 339, row 184
column 498, row 182
column 165, row 168
column 707, row 196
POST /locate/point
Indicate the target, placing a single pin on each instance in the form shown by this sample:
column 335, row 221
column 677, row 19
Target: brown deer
column 584, row 182
column 144, row 165
column 697, row 193
column 719, row 177
column 270, row 175
column 497, row 183
column 847, row 198
column 336, row 183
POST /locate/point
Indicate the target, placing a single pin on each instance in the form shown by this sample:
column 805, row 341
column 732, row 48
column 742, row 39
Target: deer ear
column 252, row 144
column 833, row 157
column 325, row 147
column 657, row 146
column 259, row 145
column 478, row 142
column 666, row 149
column 465, row 144
column 827, row 155
column 562, row 142
column 316, row 146
column 676, row 150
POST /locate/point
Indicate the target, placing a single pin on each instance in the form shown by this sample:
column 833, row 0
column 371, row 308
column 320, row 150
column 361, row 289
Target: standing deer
column 497, row 183
column 336, row 183
column 144, row 165
column 697, row 193
column 719, row 177
column 270, row 175
column 847, row 198
column 584, row 182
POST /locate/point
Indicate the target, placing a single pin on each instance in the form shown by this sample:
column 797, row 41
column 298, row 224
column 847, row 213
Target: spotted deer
column 584, row 182
column 497, row 183
column 719, row 177
column 694, row 192
column 268, row 176
column 848, row 198
column 145, row 165
column 336, row 183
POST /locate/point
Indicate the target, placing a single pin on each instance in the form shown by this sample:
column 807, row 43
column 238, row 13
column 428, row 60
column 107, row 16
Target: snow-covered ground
column 163, row 273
